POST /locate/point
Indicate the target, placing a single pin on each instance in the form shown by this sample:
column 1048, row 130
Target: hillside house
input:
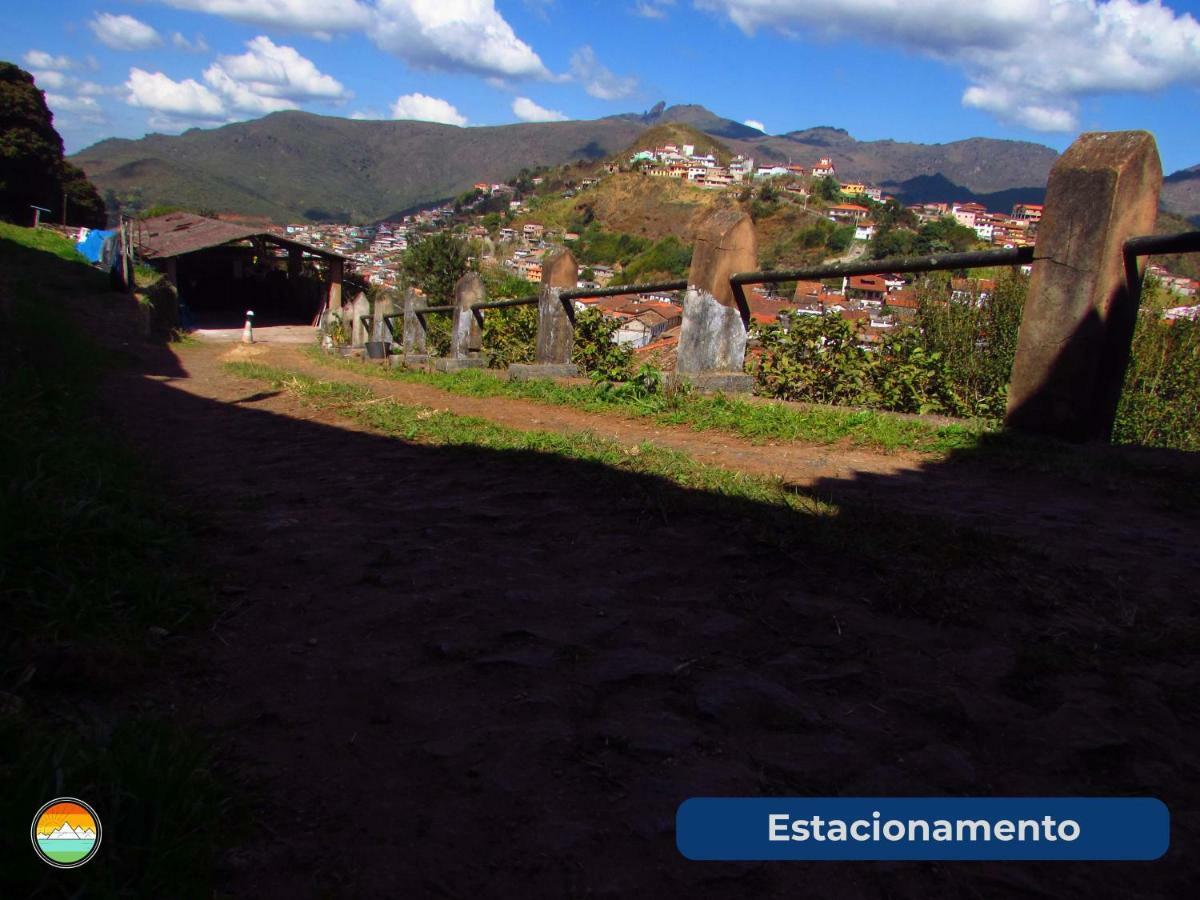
column 1027, row 212
column 867, row 288
column 847, row 212
column 824, row 168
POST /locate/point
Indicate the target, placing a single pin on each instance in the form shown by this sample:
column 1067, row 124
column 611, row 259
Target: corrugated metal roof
column 178, row 233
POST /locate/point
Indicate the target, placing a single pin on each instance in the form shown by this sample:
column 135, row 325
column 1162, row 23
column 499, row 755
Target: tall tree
column 434, row 263
column 32, row 169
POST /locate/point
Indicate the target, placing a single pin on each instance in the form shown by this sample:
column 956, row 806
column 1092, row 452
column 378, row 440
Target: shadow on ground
column 453, row 672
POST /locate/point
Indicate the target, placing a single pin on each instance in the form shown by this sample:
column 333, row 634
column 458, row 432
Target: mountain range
column 292, row 166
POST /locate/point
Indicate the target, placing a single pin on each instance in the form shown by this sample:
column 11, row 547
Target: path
column 451, row 672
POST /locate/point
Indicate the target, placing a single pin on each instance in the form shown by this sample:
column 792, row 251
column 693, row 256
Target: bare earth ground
column 446, row 672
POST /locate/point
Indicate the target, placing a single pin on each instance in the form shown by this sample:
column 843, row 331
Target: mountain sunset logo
column 66, row 833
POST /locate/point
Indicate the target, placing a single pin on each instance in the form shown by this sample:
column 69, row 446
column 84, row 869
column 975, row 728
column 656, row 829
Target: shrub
column 1160, row 403
column 596, row 351
column 510, row 335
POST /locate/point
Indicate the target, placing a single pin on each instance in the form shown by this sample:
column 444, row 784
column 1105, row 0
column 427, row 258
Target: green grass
column 440, row 427
column 757, row 421
column 90, row 557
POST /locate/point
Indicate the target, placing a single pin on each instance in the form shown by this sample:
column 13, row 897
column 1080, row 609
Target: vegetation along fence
column 1076, row 325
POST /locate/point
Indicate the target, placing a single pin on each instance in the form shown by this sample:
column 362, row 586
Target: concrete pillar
column 467, row 291
column 360, row 308
column 556, row 322
column 385, row 305
column 712, row 338
column 1078, row 323
column 412, row 333
column 465, row 333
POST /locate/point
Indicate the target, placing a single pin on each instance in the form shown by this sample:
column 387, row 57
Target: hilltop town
column 501, row 220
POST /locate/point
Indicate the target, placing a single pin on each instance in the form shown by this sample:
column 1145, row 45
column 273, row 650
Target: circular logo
column 66, row 833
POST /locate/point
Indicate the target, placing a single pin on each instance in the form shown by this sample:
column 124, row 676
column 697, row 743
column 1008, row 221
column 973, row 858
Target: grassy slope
column 754, row 421
column 89, row 559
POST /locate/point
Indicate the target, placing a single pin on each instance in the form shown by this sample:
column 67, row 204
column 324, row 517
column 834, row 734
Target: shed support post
column 336, row 273
column 1077, row 327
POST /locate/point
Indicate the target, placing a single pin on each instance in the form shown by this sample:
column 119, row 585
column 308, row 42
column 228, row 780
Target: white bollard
column 248, row 328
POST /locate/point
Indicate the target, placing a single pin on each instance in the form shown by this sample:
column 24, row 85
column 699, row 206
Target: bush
column 1160, row 403
column 817, row 359
column 510, row 335
column 976, row 341
column 955, row 360
column 596, row 351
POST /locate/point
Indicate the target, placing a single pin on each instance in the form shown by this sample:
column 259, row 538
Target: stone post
column 712, row 338
column 556, row 322
column 384, row 306
column 465, row 333
column 360, row 308
column 412, row 334
column 1078, row 322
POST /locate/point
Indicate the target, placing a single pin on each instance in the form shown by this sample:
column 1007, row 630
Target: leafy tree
column 828, row 189
column 32, row 168
column 434, row 263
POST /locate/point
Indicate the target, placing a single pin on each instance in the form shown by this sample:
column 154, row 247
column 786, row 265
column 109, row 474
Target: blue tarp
column 92, row 246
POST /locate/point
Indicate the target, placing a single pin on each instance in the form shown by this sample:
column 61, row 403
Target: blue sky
column 917, row 70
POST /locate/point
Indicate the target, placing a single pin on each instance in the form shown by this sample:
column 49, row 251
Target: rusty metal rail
column 939, row 262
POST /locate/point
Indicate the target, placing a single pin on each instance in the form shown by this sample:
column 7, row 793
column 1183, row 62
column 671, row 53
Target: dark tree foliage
column 32, row 169
column 434, row 263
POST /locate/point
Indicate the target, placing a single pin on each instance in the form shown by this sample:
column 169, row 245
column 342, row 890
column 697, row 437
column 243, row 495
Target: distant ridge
column 293, row 166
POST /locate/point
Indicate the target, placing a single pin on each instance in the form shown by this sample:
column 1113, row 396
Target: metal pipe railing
column 939, row 262
column 505, row 304
column 1161, row 244
column 652, row 287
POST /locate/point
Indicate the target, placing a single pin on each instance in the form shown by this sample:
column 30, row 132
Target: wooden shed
column 224, row 268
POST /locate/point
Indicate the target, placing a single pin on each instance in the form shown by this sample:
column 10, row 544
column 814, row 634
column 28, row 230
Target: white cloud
column 427, row 109
column 124, row 32
column 754, row 123
column 199, row 45
column 187, row 99
column 652, row 9
column 454, row 35
column 528, row 111
column 269, row 77
column 445, row 35
column 312, row 16
column 1028, row 61
column 39, row 59
column 540, row 8
column 50, row 80
column 597, row 80
column 86, row 108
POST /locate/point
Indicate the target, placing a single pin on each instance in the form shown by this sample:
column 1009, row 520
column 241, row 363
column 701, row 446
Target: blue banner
column 922, row 828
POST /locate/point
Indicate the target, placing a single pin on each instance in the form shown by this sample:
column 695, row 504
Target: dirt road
column 451, row 672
